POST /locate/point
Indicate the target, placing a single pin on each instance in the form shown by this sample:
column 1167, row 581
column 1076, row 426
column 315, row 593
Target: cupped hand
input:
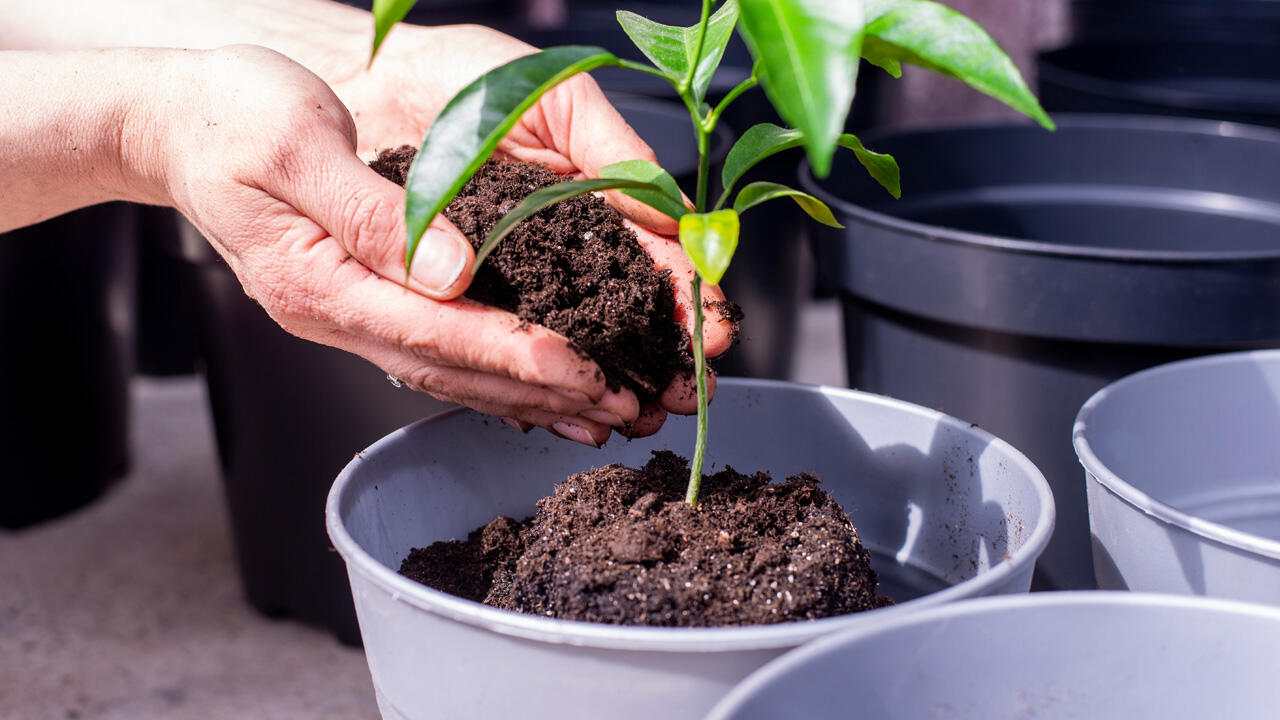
column 573, row 130
column 263, row 161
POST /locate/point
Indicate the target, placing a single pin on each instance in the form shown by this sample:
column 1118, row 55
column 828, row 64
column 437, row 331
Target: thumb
column 364, row 213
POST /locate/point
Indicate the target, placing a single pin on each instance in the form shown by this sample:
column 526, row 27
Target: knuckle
column 368, row 231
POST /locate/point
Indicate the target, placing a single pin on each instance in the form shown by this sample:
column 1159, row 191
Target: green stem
column 697, row 56
column 700, row 368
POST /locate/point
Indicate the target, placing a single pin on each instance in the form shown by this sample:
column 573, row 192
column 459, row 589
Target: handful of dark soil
column 620, row 545
column 574, row 268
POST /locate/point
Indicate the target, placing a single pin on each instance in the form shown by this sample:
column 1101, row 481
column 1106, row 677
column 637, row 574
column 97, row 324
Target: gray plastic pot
column 1066, row 656
column 947, row 511
column 1023, row 270
column 1183, row 470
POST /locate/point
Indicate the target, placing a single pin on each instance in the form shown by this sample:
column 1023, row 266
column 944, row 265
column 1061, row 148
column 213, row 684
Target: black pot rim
column 1049, row 68
column 1035, row 247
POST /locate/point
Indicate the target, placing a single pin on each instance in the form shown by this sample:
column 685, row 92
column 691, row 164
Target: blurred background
column 170, row 448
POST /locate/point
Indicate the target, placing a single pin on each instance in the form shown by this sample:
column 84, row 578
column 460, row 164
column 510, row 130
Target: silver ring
column 395, row 380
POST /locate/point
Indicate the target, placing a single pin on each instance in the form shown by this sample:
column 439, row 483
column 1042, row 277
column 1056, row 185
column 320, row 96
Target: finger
column 570, row 427
column 650, row 421
column 717, row 329
column 574, row 128
column 364, row 213
column 681, row 396
column 498, row 395
column 332, row 290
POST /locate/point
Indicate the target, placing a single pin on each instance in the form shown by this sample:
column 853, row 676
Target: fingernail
column 603, row 416
column 440, row 260
column 575, row 433
column 521, row 426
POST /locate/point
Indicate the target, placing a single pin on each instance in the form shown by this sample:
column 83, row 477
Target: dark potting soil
column 574, row 268
column 619, row 545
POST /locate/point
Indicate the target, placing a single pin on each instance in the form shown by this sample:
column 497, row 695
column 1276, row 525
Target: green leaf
column 709, row 240
column 387, row 13
column 665, row 193
column 763, row 140
column 881, row 166
column 719, row 30
column 758, row 192
column 809, row 51
column 672, row 48
column 935, row 37
column 546, row 197
column 475, row 120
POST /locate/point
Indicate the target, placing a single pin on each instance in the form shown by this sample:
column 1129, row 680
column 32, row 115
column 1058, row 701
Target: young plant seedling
column 806, row 59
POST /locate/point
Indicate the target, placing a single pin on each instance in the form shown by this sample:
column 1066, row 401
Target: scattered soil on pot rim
column 574, row 268
column 619, row 545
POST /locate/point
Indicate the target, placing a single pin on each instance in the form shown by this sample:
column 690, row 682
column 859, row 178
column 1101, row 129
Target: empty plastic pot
column 1183, row 469
column 947, row 511
column 1066, row 656
column 1023, row 270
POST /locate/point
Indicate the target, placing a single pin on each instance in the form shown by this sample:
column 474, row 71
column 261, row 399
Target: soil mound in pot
column 619, row 545
column 574, row 268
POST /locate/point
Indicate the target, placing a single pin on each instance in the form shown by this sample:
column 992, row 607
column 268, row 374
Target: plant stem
column 697, row 55
column 700, row 368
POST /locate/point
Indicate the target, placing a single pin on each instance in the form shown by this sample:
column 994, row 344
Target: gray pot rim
column 1035, row 247
column 1107, row 87
column 596, row 635
column 980, row 606
column 1140, row 500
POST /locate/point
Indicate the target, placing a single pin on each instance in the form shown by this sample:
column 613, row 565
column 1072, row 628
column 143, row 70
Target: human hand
column 573, row 130
column 259, row 154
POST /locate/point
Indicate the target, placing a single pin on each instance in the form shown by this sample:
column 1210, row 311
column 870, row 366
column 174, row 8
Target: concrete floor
column 132, row 608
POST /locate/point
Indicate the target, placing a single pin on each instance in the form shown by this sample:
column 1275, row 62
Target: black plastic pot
column 1193, row 20
column 1234, row 80
column 166, row 331
column 66, row 314
column 289, row 414
column 1024, row 270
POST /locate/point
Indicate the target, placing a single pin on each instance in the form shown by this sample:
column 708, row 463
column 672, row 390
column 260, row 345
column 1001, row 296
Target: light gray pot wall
column 947, row 511
column 1183, row 469
column 1066, row 656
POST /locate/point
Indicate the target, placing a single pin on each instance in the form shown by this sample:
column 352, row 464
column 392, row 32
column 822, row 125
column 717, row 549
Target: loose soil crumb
column 619, row 545
column 574, row 268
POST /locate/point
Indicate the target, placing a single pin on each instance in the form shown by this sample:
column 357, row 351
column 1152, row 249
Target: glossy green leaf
column 881, row 166
column 387, row 13
column 709, row 239
column 808, row 50
column 466, row 132
column 758, row 192
column 665, row 193
column 933, row 36
column 546, row 197
column 672, row 48
column 763, row 140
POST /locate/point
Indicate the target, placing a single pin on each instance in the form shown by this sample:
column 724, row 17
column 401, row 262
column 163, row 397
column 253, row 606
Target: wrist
column 61, row 146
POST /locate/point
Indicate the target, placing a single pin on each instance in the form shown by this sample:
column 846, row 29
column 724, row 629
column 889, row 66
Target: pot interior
column 1128, row 184
column 1197, row 437
column 936, row 501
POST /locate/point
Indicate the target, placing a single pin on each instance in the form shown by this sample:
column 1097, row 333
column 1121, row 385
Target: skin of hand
column 267, row 170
